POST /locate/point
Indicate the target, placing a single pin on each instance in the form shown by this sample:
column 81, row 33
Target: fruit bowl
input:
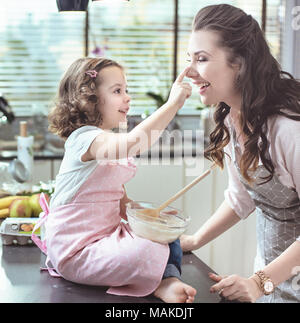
column 166, row 228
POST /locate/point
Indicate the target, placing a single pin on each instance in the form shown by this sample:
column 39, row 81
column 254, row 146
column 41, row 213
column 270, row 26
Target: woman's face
column 210, row 70
column 114, row 99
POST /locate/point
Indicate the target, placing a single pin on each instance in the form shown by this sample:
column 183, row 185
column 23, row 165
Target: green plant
column 202, row 107
column 158, row 98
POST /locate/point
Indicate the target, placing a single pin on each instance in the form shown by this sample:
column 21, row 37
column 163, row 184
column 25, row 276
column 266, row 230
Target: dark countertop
column 50, row 155
column 38, row 155
column 23, row 282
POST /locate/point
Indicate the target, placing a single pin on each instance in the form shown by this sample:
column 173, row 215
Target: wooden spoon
column 155, row 212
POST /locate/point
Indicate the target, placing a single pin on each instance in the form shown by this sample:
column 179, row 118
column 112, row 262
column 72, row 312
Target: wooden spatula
column 155, row 212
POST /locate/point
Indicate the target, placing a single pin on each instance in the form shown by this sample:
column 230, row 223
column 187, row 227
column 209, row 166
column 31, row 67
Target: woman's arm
column 285, row 266
column 222, row 220
column 108, row 145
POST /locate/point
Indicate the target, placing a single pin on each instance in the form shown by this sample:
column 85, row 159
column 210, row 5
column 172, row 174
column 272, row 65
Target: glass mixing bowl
column 168, row 227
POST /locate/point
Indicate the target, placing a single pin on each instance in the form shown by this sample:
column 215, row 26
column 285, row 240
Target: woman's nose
column 192, row 72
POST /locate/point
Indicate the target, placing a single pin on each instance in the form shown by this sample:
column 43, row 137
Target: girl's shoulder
column 81, row 134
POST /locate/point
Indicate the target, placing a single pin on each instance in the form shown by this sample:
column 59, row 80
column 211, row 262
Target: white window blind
column 140, row 36
column 37, row 44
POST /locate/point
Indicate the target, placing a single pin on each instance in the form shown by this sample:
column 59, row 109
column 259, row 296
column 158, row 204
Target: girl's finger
column 186, row 86
column 182, row 74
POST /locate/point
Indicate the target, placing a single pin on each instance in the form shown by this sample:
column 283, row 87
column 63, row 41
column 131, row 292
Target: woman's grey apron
column 277, row 224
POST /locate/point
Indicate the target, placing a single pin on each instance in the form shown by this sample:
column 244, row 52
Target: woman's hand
column 180, row 91
column 188, row 242
column 236, row 288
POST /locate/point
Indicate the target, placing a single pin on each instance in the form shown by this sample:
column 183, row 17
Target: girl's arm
column 108, row 145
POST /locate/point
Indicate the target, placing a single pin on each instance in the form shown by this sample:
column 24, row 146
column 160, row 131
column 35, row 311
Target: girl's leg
column 171, row 288
column 173, row 268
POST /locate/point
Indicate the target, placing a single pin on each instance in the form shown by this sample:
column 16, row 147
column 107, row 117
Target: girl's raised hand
column 180, row 91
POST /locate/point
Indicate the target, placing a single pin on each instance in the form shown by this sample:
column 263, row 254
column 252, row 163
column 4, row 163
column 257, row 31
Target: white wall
column 291, row 38
column 231, row 253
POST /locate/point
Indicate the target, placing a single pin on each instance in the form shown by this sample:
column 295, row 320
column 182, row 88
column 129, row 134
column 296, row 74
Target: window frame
column 174, row 50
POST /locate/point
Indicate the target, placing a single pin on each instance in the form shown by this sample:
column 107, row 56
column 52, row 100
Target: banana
column 4, row 213
column 5, row 202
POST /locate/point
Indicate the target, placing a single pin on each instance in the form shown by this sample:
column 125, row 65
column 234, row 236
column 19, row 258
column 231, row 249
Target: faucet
column 6, row 113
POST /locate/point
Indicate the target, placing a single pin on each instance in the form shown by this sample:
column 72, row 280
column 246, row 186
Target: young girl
column 258, row 135
column 86, row 241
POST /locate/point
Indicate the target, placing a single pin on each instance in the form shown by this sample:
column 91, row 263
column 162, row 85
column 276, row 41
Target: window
column 140, row 37
column 37, row 44
column 187, row 10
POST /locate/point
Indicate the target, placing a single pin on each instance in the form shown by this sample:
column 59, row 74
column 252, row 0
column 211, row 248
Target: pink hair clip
column 92, row 73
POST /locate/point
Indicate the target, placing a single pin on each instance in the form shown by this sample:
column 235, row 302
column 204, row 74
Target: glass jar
column 12, row 174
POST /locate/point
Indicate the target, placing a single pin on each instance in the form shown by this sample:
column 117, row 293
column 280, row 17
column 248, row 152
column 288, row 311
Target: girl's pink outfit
column 86, row 240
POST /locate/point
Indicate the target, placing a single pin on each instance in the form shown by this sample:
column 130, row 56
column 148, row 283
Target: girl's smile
column 115, row 101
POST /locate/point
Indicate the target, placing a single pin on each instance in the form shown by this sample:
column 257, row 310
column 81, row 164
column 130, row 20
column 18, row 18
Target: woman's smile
column 210, row 70
column 203, row 87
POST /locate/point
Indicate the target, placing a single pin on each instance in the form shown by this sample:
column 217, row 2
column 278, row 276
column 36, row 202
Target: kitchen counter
column 38, row 155
column 23, row 282
column 176, row 145
column 169, row 152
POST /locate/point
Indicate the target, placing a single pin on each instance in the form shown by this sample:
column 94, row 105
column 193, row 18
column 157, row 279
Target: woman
column 257, row 134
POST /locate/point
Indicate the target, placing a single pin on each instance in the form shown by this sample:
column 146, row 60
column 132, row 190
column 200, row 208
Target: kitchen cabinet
column 41, row 171
column 55, row 168
column 231, row 253
column 198, row 201
column 45, row 170
column 157, row 180
column 234, row 251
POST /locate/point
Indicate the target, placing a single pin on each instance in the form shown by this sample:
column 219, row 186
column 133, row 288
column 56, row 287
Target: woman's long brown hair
column 265, row 89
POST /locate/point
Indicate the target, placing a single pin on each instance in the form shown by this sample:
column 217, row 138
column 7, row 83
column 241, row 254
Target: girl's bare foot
column 173, row 290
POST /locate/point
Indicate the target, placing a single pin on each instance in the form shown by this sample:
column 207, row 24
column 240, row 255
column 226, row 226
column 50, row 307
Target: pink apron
column 87, row 244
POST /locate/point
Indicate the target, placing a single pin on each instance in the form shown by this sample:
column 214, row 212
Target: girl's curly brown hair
column 77, row 102
column 265, row 89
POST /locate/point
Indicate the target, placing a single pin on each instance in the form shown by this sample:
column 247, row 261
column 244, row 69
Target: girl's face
column 210, row 70
column 114, row 99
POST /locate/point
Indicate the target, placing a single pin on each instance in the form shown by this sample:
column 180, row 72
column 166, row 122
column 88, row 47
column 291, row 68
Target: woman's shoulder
column 283, row 127
column 283, row 136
